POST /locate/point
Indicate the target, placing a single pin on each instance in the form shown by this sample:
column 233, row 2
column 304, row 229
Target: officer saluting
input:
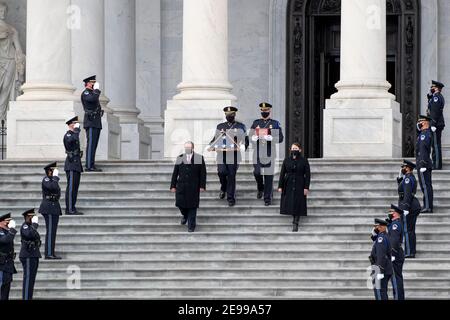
column 423, row 161
column 7, row 255
column 381, row 259
column 436, row 103
column 29, row 252
column 50, row 208
column 395, row 233
column 407, row 201
column 90, row 98
column 73, row 165
column 227, row 142
column 265, row 133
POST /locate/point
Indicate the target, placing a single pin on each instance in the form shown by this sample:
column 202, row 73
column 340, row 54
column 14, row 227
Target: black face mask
column 432, row 90
column 403, row 171
column 265, row 114
column 295, row 153
column 231, row 118
column 419, row 126
column 390, row 216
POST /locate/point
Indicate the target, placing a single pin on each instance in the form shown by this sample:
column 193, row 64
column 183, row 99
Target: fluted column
column 48, row 68
column 205, row 51
column 363, row 50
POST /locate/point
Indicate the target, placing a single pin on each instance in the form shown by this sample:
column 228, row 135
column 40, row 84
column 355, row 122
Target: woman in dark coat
column 294, row 182
column 188, row 180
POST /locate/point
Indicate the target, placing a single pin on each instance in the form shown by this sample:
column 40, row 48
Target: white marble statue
column 12, row 63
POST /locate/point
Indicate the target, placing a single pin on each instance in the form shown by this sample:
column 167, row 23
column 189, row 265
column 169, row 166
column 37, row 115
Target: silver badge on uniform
column 394, row 227
column 436, row 99
column 380, row 240
column 407, row 180
column 422, row 137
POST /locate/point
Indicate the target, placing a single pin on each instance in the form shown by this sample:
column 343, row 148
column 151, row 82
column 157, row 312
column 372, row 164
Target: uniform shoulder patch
column 407, row 180
column 69, row 135
column 380, row 239
column 436, row 99
column 25, row 227
column 422, row 137
column 394, row 227
column 46, row 179
column 86, row 92
column 2, row 233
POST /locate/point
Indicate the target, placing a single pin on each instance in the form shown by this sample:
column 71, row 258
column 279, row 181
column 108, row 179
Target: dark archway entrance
column 313, row 67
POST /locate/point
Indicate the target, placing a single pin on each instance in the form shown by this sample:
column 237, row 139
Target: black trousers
column 92, row 135
column 5, row 283
column 382, row 292
column 397, row 279
column 437, row 150
column 73, row 183
column 227, row 176
column 191, row 216
column 409, row 230
column 51, row 224
column 30, row 268
column 264, row 182
column 427, row 188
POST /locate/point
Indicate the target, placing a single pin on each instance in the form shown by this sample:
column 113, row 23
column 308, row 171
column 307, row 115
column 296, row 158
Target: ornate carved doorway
column 313, row 67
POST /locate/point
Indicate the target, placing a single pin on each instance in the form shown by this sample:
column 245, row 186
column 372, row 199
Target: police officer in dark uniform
column 265, row 133
column 29, row 252
column 90, row 98
column 7, row 254
column 50, row 208
column 229, row 141
column 381, row 260
column 436, row 103
column 407, row 201
column 395, row 233
column 73, row 166
column 423, row 161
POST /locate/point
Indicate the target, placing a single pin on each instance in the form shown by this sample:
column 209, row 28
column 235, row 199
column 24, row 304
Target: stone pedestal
column 362, row 119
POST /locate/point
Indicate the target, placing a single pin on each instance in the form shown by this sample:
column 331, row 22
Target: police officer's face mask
column 419, row 126
column 230, row 118
column 265, row 114
column 403, row 170
column 391, row 216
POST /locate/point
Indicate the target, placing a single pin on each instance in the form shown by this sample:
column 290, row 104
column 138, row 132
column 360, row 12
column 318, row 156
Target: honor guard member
column 395, row 233
column 7, row 254
column 229, row 141
column 381, row 260
column 423, row 161
column 73, row 166
column 436, row 103
column 407, row 201
column 265, row 134
column 90, row 98
column 29, row 252
column 50, row 208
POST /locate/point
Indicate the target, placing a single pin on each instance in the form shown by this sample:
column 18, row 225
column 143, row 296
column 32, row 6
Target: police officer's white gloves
column 255, row 138
column 405, row 212
column 433, row 129
column 96, row 86
column 55, row 173
column 77, row 126
column 35, row 219
column 380, row 276
column 12, row 224
column 392, row 258
column 374, row 233
column 423, row 170
column 268, row 138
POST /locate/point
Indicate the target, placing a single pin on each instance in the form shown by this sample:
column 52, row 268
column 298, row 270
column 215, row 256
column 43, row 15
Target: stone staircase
column 130, row 245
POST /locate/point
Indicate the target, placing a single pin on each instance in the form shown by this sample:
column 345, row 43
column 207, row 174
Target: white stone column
column 121, row 78
column 88, row 58
column 36, row 121
column 205, row 89
column 362, row 119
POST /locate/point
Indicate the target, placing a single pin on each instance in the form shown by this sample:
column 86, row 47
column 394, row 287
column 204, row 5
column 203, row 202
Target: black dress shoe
column 268, row 203
column 191, row 230
column 259, row 195
column 97, row 169
column 52, row 257
column 183, row 221
column 222, row 195
column 426, row 211
column 76, row 213
column 295, row 228
column 231, row 203
column 412, row 256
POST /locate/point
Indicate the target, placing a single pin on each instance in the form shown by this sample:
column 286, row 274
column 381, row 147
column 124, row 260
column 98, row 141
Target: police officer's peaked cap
column 437, row 84
column 408, row 164
column 70, row 121
column 396, row 209
column 29, row 212
column 91, row 78
column 230, row 109
column 5, row 217
column 50, row 165
column 265, row 106
column 380, row 222
column 425, row 118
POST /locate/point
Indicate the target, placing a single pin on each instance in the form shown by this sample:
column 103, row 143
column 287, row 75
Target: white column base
column 362, row 128
column 156, row 126
column 136, row 141
column 194, row 120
